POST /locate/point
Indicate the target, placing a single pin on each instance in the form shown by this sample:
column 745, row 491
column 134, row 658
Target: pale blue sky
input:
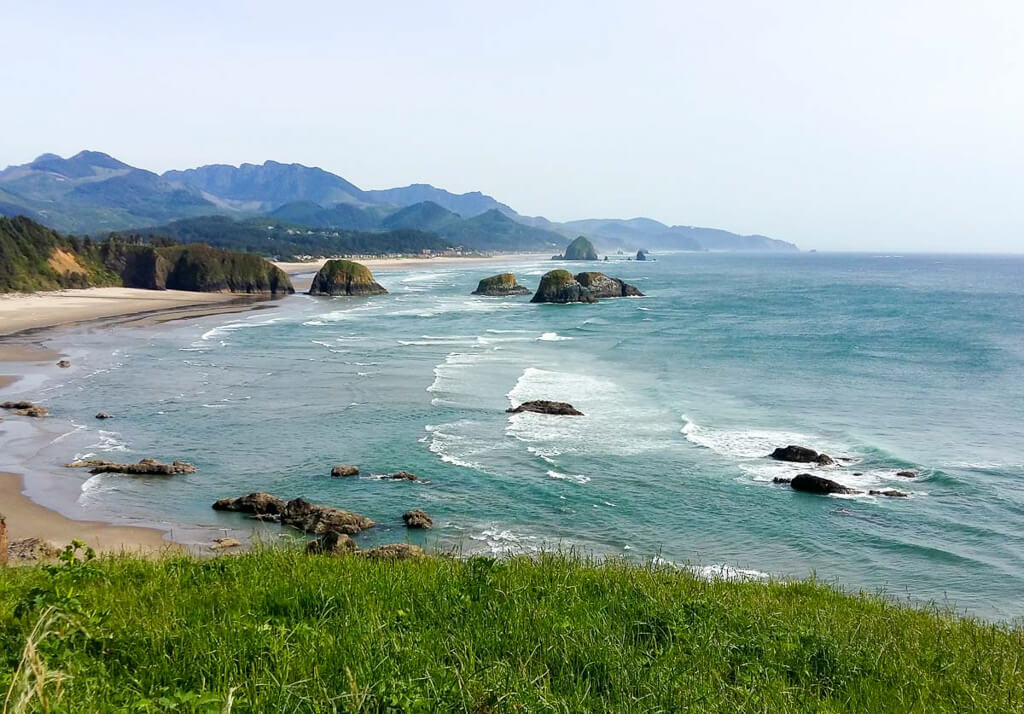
column 858, row 125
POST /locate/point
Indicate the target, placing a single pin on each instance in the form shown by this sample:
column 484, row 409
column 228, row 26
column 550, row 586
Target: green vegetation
column 277, row 239
column 277, row 630
column 580, row 249
column 345, row 277
column 556, row 279
column 36, row 258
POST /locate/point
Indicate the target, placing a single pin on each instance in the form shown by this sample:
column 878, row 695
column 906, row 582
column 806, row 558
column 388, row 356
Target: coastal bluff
column 345, row 277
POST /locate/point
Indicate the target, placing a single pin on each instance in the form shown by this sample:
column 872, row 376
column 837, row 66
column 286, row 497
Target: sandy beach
column 312, row 266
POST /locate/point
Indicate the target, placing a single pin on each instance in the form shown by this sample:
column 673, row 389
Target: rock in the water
column 500, row 286
column 580, row 249
column 145, row 467
column 312, row 518
column 801, row 455
column 64, row 364
column 417, row 518
column 543, row 406
column 223, row 543
column 890, row 492
column 104, row 415
column 560, row 286
column 907, row 474
column 331, row 543
column 602, row 286
column 641, row 255
column 782, row 480
column 345, row 277
column 344, row 470
column 809, row 483
column 402, row 476
column 259, row 503
column 26, row 408
column 394, row 551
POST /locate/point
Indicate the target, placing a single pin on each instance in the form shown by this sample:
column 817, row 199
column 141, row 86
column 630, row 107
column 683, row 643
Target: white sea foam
column 552, row 337
column 740, row 444
column 575, row 478
column 504, row 541
column 452, row 447
column 726, row 572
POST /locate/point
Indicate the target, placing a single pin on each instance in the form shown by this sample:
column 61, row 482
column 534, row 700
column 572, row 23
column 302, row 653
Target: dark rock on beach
column 808, row 483
column 543, row 406
column 259, row 504
column 345, row 277
column 394, row 551
column 417, row 518
column 801, row 455
column 311, row 518
column 24, row 408
column 145, row 467
column 331, row 543
column 559, row 286
column 502, row 285
column 344, row 470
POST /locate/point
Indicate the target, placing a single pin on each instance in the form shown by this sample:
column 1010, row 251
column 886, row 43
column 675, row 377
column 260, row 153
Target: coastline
column 24, row 318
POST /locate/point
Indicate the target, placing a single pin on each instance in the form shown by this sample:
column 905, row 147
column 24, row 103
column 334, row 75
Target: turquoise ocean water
column 894, row 361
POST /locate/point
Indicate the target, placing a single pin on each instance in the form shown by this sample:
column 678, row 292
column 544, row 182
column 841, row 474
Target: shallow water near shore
column 893, row 362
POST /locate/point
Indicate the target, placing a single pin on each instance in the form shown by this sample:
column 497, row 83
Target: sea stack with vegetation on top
column 502, row 285
column 561, row 286
column 345, row 277
column 579, row 249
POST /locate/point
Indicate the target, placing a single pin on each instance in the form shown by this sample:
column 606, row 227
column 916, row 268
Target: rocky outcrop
column 298, row 513
column 560, row 286
column 502, row 285
column 394, row 551
column 145, row 467
column 602, row 286
column 104, row 415
column 64, row 364
column 543, row 406
column 26, row 408
column 801, row 455
column 889, row 492
column 331, row 543
column 345, row 277
column 259, row 504
column 907, row 474
column 401, row 476
column 342, row 470
column 782, row 480
column 28, row 550
column 808, row 483
column 225, row 543
column 417, row 518
column 641, row 255
column 580, row 249
column 311, row 518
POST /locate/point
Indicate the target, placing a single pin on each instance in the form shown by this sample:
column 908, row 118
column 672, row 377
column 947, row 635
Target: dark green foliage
column 33, row 257
column 494, row 230
column 279, row 631
column 283, row 240
column 342, row 216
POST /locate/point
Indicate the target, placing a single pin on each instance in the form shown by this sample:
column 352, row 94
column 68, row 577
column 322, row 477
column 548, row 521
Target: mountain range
column 94, row 193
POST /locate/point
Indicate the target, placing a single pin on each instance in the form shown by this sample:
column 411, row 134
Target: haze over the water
column 852, row 126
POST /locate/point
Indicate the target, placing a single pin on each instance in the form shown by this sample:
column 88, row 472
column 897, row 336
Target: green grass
column 279, row 631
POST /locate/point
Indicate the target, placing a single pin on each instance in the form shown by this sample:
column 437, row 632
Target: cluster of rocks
column 24, row 408
column 334, row 525
column 809, row 483
column 502, row 285
column 346, row 470
column 543, row 406
column 145, row 467
column 561, row 286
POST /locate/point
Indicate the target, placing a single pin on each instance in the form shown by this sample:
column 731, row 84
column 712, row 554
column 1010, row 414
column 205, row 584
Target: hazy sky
column 838, row 125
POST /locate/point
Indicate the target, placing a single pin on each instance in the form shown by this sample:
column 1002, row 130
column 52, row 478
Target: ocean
column 893, row 362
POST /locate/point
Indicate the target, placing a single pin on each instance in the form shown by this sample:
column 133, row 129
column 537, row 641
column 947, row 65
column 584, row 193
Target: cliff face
column 345, row 277
column 36, row 258
column 501, row 285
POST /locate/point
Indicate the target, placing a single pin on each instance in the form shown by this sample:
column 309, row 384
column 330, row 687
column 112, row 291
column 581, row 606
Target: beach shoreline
column 28, row 329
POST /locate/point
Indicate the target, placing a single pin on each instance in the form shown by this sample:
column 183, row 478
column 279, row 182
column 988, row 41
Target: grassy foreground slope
column 280, row 631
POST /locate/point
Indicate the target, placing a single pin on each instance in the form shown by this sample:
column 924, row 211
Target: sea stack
column 641, row 254
column 502, row 285
column 602, row 286
column 560, row 286
column 345, row 277
column 580, row 249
